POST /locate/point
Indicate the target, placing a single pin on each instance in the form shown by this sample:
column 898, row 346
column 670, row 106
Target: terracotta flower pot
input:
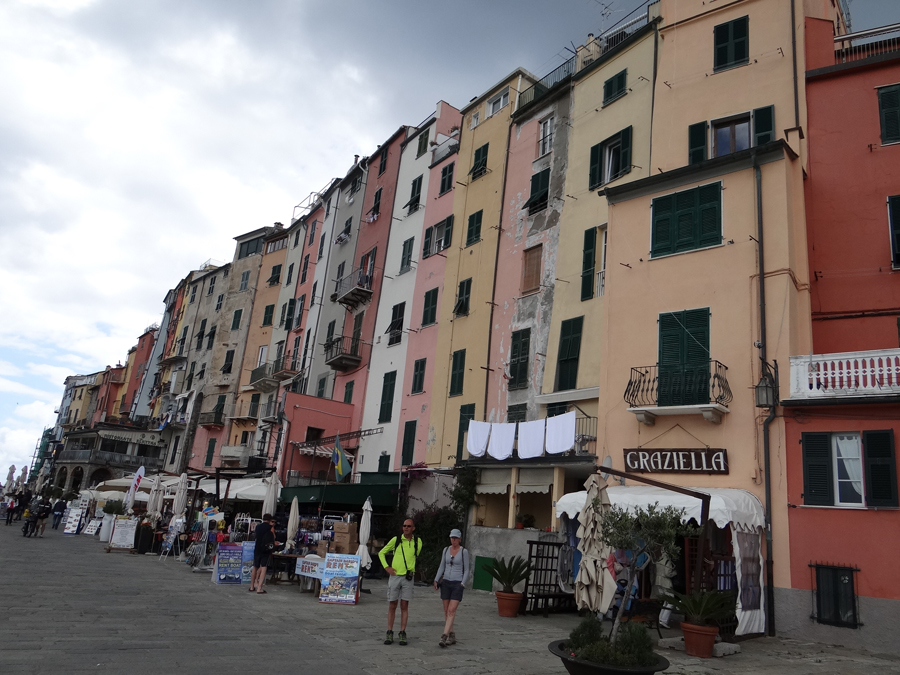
column 576, row 666
column 508, row 603
column 699, row 640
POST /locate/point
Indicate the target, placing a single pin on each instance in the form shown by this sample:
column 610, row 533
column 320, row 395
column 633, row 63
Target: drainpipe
column 794, row 58
column 770, row 577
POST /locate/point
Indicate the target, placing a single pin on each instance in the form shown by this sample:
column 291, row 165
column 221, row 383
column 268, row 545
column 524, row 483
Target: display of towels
column 560, row 433
column 531, row 439
column 477, row 441
column 503, row 437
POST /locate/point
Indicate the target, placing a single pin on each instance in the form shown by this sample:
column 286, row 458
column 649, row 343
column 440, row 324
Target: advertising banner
column 340, row 579
column 175, row 527
column 73, row 520
column 310, row 568
column 228, row 563
column 247, row 560
column 93, row 527
column 123, row 533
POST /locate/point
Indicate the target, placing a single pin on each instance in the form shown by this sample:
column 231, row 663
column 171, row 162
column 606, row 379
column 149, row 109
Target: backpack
column 416, row 543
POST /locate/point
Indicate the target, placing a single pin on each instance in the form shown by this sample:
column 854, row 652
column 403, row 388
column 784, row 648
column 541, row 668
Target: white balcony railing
column 848, row 374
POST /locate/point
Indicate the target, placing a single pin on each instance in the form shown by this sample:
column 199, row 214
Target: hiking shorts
column 451, row 590
column 399, row 588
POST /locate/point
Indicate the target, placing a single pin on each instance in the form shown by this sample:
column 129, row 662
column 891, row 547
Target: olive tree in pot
column 701, row 609
column 508, row 574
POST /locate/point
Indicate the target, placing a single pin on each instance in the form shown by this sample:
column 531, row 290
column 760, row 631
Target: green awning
column 351, row 496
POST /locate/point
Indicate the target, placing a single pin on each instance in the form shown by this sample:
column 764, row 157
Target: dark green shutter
column 427, row 246
column 818, row 481
column 519, row 357
column 480, row 164
column 894, row 215
column 661, row 234
column 686, row 226
column 588, row 260
column 608, row 88
column 348, row 392
column 697, row 143
column 289, row 316
column 625, row 152
column 387, row 397
column 409, row 443
column 357, row 333
column 881, row 468
column 466, row 413
column 569, row 351
column 473, row 234
column 268, row 314
column 594, row 176
column 683, row 366
column 254, row 405
column 236, row 319
column 210, row 451
column 889, row 102
column 621, row 82
column 448, row 231
column 731, row 43
column 429, row 311
column 418, row 381
column 540, row 187
column 457, row 372
column 710, row 214
column 764, row 125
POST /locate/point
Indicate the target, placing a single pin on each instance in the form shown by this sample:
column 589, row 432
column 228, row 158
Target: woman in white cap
column 451, row 578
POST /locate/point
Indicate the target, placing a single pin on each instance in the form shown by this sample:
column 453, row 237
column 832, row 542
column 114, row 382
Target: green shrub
column 633, row 644
column 588, row 631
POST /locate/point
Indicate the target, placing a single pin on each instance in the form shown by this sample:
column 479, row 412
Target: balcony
column 176, row 356
column 285, row 367
column 354, row 289
column 75, row 456
column 247, row 410
column 268, row 410
column 881, row 43
column 263, row 379
column 540, row 88
column 853, row 377
column 700, row 389
column 343, row 353
column 235, row 454
column 213, row 418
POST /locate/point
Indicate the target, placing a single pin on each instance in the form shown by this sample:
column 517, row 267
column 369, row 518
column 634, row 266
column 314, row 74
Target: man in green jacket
column 402, row 569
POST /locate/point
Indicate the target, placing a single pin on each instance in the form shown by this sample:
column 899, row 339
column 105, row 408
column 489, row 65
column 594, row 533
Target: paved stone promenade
column 69, row 607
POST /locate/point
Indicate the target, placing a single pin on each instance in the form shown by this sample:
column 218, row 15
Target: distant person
column 10, row 509
column 31, row 518
column 43, row 512
column 262, row 552
column 59, row 508
column 451, row 578
column 406, row 547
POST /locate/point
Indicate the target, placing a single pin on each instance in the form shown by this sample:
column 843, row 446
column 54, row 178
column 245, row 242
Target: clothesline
column 553, row 435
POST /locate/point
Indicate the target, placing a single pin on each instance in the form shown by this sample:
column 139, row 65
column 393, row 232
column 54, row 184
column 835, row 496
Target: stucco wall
column 495, row 542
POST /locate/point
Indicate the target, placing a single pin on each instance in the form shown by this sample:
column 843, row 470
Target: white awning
column 246, row 489
column 728, row 505
column 534, row 480
column 493, row 482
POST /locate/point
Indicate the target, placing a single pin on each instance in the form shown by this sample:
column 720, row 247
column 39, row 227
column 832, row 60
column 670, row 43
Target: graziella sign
column 676, row 460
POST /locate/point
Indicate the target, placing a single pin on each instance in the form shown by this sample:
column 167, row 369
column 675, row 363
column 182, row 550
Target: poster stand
column 122, row 539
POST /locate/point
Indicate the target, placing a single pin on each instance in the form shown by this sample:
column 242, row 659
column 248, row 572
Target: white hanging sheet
column 503, row 436
column 477, row 441
column 531, row 439
column 560, row 433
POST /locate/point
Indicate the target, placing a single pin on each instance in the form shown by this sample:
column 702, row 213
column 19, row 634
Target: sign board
column 139, row 437
column 174, row 529
column 247, row 560
column 93, row 527
column 228, row 563
column 123, row 533
column 310, row 568
column 73, row 520
column 340, row 579
column 676, row 460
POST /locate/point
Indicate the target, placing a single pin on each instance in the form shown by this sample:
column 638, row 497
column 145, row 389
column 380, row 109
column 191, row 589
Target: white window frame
column 263, row 353
column 498, row 103
column 545, row 136
column 437, row 237
column 606, row 172
column 601, row 274
column 835, row 464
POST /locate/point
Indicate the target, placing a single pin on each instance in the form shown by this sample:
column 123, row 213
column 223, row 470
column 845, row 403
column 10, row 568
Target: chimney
column 279, row 226
column 590, row 38
column 356, row 159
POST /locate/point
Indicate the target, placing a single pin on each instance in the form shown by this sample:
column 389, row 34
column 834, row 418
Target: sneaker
column 402, row 637
column 443, row 642
column 389, row 638
column 451, row 638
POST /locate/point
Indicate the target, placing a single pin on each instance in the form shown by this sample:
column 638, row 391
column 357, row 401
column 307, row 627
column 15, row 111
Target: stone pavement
column 69, row 607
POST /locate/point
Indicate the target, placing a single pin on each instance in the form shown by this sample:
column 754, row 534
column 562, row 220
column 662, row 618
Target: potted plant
column 508, row 574
column 528, row 520
column 520, row 524
column 588, row 651
column 702, row 610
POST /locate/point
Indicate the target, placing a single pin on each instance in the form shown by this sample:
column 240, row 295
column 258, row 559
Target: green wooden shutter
column 387, row 397
column 418, row 381
column 697, row 143
column 210, row 451
column 894, row 215
column 686, row 225
column 710, row 214
column 889, row 102
column 348, row 391
column 881, row 468
column 540, row 186
column 448, row 231
column 696, row 356
column 289, row 315
column 588, row 260
column 740, row 40
column 670, row 365
column 466, row 413
column 268, row 314
column 594, row 175
column 569, row 351
column 473, row 233
column 519, row 357
column 329, row 336
column 409, row 443
column 621, row 82
column 254, row 405
column 764, row 125
column 429, row 311
column 625, row 152
column 608, row 88
column 236, row 319
column 818, row 481
column 661, row 237
column 357, row 333
column 427, row 246
column 457, row 372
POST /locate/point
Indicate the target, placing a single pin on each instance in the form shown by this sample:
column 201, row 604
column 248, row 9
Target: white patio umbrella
column 365, row 529
column 155, row 501
column 181, row 490
column 273, row 490
column 10, row 478
column 595, row 587
column 293, row 522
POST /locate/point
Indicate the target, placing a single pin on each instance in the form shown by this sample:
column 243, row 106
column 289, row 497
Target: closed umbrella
column 365, row 528
column 273, row 490
column 10, row 477
column 293, row 522
column 154, row 501
column 178, row 506
column 595, row 587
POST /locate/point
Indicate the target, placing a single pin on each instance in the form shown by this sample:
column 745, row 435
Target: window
column 588, row 261
column 457, row 372
column 479, row 165
column 615, row 87
column 229, row 361
column 415, row 193
column 312, row 295
column 889, row 110
column 473, row 232
column 545, row 136
column 236, row 319
column 202, row 371
column 684, row 360
column 461, row 308
column 245, row 280
column 283, row 315
column 289, row 321
column 732, row 44
column 321, row 246
column 210, row 451
column 219, row 301
column 466, row 413
column 540, row 192
column 301, row 304
column 555, row 409
column 601, row 275
column 328, row 207
column 894, row 222
column 839, row 471
column 438, row 237
column 297, row 238
column 211, row 337
column 610, row 159
column 395, row 327
column 212, row 285
column 429, row 307
column 356, row 184
column 276, row 245
column 685, row 221
column 446, row 179
column 409, row 443
column 376, row 203
column 275, row 276
column 174, row 449
column 418, row 378
column 248, row 248
column 836, row 596
column 193, row 293
column 531, row 269
column 569, row 351
column 476, row 118
column 261, row 356
column 731, row 134
column 423, row 144
column 348, row 392
column 290, row 274
column 387, row 397
column 382, row 162
column 498, row 103
column 312, row 233
column 517, row 413
column 305, row 270
column 356, row 336
column 320, row 386
column 406, row 255
column 518, row 360
column 329, row 333
column 200, row 334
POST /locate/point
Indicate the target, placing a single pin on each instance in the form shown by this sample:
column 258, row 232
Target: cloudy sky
column 138, row 138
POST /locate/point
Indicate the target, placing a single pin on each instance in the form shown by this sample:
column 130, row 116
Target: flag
column 339, row 459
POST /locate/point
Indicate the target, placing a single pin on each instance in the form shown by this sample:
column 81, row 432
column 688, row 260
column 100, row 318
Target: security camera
column 757, row 344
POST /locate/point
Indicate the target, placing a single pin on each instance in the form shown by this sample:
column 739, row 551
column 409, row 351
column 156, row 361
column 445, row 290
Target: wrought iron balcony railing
column 661, row 386
column 343, row 352
column 354, row 288
column 213, row 418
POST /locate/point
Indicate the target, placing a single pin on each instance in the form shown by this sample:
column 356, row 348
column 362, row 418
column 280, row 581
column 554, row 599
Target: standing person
column 59, row 508
column 406, row 547
column 451, row 578
column 262, row 552
column 10, row 509
column 43, row 512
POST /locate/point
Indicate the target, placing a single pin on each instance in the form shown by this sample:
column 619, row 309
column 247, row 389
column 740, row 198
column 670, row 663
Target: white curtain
column 749, row 569
column 847, row 452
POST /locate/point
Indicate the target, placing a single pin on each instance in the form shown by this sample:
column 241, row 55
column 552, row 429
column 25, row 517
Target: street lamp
column 767, row 388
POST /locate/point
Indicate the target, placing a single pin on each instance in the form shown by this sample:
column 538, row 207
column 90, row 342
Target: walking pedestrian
column 59, row 508
column 31, row 518
column 43, row 512
column 451, row 578
column 10, row 509
column 406, row 547
column 262, row 552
